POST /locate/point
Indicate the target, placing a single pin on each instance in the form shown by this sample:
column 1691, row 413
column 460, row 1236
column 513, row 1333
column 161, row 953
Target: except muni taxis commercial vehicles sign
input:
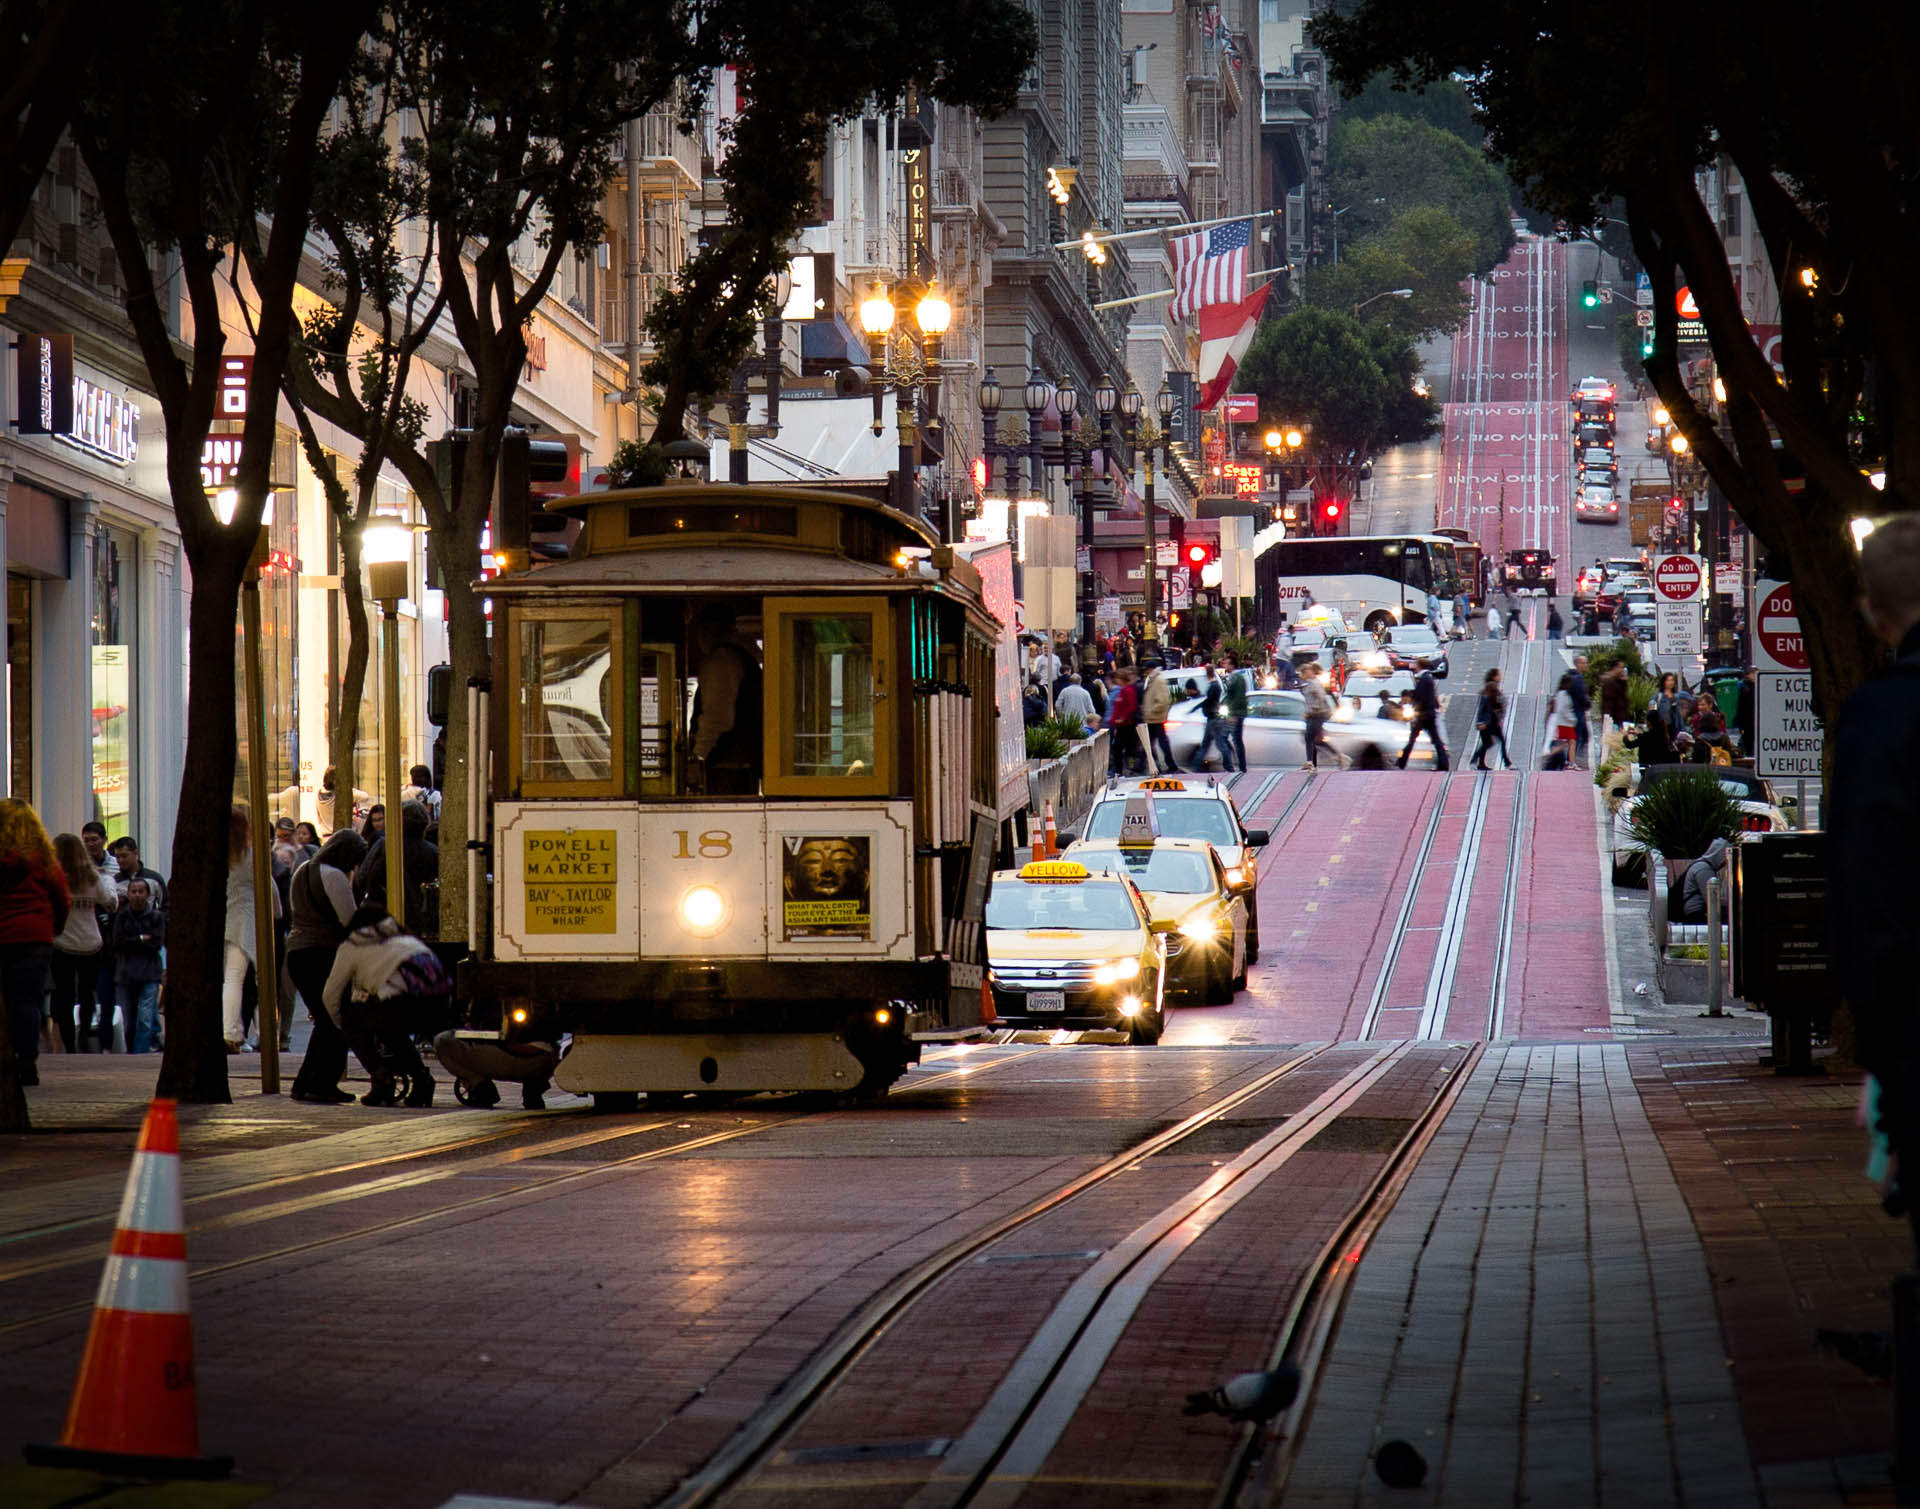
column 1788, row 736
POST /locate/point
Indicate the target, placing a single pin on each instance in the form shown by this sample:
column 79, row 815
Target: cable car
column 737, row 806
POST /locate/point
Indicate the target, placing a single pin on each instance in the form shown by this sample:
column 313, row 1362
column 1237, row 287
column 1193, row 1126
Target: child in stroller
column 388, row 987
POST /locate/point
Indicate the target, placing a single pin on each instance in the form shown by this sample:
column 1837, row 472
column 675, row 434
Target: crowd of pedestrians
column 83, row 942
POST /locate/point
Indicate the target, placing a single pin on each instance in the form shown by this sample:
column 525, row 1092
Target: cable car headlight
column 1114, row 972
column 703, row 911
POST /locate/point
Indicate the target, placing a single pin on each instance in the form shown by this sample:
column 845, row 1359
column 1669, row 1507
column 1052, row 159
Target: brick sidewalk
column 1773, row 1173
column 1602, row 1285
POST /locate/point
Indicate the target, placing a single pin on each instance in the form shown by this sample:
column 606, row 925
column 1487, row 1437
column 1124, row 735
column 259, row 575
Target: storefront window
column 112, row 651
column 279, row 637
column 19, row 686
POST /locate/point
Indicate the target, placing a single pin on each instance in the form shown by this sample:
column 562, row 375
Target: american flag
column 1210, row 267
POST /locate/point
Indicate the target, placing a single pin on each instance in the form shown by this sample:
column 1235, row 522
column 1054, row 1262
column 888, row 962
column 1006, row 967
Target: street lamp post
column 387, row 545
column 1131, row 404
column 1066, row 403
column 770, row 364
column 990, row 419
column 1391, row 293
column 1152, row 443
column 1105, row 397
column 907, row 371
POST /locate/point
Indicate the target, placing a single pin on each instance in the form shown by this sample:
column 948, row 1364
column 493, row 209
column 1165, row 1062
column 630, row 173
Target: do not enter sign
column 1778, row 644
column 1677, row 578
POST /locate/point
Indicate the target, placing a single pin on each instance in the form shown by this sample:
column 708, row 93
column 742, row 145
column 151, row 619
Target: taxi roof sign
column 1055, row 871
column 1164, row 783
column 1139, row 827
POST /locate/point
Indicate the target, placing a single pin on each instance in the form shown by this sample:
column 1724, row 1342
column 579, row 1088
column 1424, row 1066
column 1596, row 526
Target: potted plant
column 1680, row 815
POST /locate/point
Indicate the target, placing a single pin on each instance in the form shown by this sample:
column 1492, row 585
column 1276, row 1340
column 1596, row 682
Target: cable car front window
column 833, row 692
column 566, row 725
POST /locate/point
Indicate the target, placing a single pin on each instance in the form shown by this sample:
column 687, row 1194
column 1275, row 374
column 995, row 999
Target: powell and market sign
column 54, row 401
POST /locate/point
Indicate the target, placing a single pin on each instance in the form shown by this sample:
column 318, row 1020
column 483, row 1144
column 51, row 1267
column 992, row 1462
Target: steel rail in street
column 763, row 1433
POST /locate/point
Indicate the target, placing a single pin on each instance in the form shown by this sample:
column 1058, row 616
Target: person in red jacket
column 33, row 908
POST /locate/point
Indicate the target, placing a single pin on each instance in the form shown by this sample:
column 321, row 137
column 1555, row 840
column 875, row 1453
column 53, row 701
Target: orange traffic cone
column 134, row 1410
column 1039, row 840
column 1053, row 835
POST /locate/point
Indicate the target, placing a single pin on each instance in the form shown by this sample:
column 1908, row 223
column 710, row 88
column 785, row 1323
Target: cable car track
column 761, row 1435
column 93, row 1252
column 1008, row 1441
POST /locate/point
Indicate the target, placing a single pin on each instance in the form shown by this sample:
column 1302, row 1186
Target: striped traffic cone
column 1053, row 835
column 135, row 1412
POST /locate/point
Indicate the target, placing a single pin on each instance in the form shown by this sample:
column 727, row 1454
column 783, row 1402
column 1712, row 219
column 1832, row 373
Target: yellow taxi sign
column 1057, row 871
column 1163, row 783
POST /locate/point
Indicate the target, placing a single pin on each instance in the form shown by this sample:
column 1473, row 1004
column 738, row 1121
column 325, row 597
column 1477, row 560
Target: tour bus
column 1372, row 580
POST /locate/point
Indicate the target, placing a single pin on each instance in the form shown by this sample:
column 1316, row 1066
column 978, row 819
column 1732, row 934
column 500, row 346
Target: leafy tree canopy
column 1315, row 366
column 1444, row 104
column 1382, row 168
column 1816, row 117
column 1425, row 249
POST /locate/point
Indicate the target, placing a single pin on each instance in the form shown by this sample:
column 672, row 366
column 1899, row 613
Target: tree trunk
column 194, row 1065
column 353, row 677
column 467, row 649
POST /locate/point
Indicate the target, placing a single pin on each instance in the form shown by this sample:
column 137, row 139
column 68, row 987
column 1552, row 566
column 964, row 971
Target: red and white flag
column 1209, row 267
column 1226, row 330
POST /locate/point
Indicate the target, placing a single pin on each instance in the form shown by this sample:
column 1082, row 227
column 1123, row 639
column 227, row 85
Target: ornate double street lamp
column 907, row 366
column 1151, row 439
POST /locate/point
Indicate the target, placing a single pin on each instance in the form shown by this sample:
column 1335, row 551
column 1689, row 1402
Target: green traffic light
column 1589, row 295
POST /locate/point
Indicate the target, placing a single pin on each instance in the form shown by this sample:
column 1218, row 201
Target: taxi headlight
column 1200, row 929
column 1116, row 970
column 1236, row 875
column 1376, row 660
column 702, row 910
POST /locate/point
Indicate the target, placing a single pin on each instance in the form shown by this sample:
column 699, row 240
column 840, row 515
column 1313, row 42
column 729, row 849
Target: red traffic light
column 1330, row 510
column 1198, row 555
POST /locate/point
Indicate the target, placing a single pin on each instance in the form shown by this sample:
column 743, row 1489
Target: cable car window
column 566, row 722
column 832, row 671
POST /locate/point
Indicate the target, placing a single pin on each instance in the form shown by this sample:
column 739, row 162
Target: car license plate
column 1046, row 1000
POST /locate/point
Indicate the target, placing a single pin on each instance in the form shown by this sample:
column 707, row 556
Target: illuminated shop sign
column 105, row 424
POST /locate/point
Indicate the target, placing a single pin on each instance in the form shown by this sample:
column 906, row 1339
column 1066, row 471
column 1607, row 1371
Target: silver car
column 1276, row 730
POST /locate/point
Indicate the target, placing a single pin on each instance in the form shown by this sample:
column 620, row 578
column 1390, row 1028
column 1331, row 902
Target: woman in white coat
column 239, row 956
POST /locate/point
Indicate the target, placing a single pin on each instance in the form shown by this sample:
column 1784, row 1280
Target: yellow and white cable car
column 739, row 794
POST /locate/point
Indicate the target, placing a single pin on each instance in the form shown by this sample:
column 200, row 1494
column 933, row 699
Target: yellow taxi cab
column 1190, row 807
column 1070, row 948
column 1203, row 919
